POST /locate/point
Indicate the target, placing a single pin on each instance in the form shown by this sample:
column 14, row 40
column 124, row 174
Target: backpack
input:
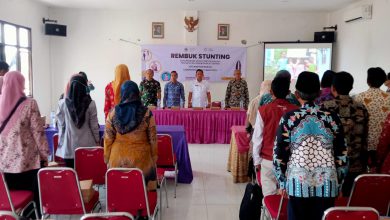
column 251, row 204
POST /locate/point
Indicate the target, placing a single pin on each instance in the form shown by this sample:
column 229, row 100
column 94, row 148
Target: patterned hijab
column 12, row 91
column 121, row 75
column 130, row 112
column 77, row 99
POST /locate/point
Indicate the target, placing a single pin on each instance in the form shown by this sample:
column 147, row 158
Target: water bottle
column 241, row 104
column 52, row 119
column 223, row 104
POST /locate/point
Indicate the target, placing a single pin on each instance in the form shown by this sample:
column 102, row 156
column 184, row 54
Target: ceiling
column 204, row 5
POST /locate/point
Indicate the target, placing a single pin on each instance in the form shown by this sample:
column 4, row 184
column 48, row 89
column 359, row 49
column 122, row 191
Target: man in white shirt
column 3, row 70
column 200, row 95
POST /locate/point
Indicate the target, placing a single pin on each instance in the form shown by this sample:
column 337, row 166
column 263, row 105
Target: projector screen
column 296, row 58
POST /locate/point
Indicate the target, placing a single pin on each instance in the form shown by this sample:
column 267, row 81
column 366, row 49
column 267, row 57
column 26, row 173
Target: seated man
column 354, row 117
column 199, row 95
column 174, row 92
column 150, row 89
column 267, row 121
column 237, row 94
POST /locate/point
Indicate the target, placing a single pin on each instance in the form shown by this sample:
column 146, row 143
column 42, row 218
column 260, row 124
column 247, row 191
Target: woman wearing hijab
column 113, row 89
column 23, row 144
column 130, row 135
column 77, row 120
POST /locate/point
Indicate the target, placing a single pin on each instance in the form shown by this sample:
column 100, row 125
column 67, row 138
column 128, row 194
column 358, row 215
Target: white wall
column 92, row 44
column 30, row 14
column 362, row 44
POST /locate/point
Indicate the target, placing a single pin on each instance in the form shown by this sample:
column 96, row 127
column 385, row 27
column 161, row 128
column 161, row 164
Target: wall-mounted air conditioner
column 359, row 13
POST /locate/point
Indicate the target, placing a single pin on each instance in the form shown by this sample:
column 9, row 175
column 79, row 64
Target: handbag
column 12, row 112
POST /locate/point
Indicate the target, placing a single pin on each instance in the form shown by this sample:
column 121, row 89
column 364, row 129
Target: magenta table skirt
column 202, row 126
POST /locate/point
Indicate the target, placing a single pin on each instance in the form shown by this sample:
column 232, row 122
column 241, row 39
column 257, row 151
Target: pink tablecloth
column 202, row 126
column 242, row 140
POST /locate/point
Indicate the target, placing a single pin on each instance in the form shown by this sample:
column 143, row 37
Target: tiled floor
column 212, row 194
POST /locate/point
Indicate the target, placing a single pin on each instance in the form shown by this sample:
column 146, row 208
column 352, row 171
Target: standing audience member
column 263, row 139
column 310, row 154
column 253, row 107
column 354, row 118
column 91, row 87
column 130, row 138
column 150, row 89
column 237, row 92
column 77, row 120
column 387, row 83
column 199, row 95
column 377, row 103
column 326, row 83
column 383, row 150
column 23, row 144
column 4, row 68
column 113, row 89
column 174, row 95
column 267, row 98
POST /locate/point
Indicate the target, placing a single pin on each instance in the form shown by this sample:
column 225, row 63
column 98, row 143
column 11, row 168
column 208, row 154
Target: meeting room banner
column 218, row 63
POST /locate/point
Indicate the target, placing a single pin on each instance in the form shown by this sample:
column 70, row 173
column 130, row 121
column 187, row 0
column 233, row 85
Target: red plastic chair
column 275, row 206
column 108, row 216
column 351, row 213
column 55, row 158
column 60, row 194
column 126, row 192
column 370, row 190
column 7, row 215
column 15, row 201
column 89, row 164
column 166, row 160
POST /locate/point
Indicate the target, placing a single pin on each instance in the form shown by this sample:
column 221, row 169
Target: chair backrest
column 108, row 216
column 126, row 191
column 216, row 104
column 166, row 155
column 371, row 190
column 351, row 213
column 7, row 215
column 5, row 198
column 59, row 191
column 89, row 164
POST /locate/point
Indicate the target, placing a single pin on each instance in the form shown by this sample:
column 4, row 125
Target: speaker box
column 55, row 30
column 324, row 37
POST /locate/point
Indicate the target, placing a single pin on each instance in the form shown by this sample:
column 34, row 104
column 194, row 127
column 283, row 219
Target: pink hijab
column 12, row 91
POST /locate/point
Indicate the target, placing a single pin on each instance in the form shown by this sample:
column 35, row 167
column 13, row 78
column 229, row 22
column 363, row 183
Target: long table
column 179, row 144
column 202, row 126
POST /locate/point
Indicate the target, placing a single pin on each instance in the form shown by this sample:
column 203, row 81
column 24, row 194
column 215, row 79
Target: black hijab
column 78, row 99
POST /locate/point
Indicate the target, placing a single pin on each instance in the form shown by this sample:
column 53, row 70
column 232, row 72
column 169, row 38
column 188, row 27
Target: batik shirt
column 174, row 94
column 377, row 103
column 267, row 98
column 354, row 118
column 149, row 90
column 310, row 157
column 236, row 92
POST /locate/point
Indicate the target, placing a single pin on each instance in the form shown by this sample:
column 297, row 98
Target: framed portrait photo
column 223, row 31
column 157, row 29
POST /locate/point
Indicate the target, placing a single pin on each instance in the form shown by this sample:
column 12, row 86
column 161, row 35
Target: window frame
column 18, row 47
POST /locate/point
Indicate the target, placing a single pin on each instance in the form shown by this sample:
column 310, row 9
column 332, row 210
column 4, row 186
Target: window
column 15, row 49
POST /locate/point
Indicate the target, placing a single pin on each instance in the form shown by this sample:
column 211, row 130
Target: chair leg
column 166, row 192
column 36, row 210
column 175, row 180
